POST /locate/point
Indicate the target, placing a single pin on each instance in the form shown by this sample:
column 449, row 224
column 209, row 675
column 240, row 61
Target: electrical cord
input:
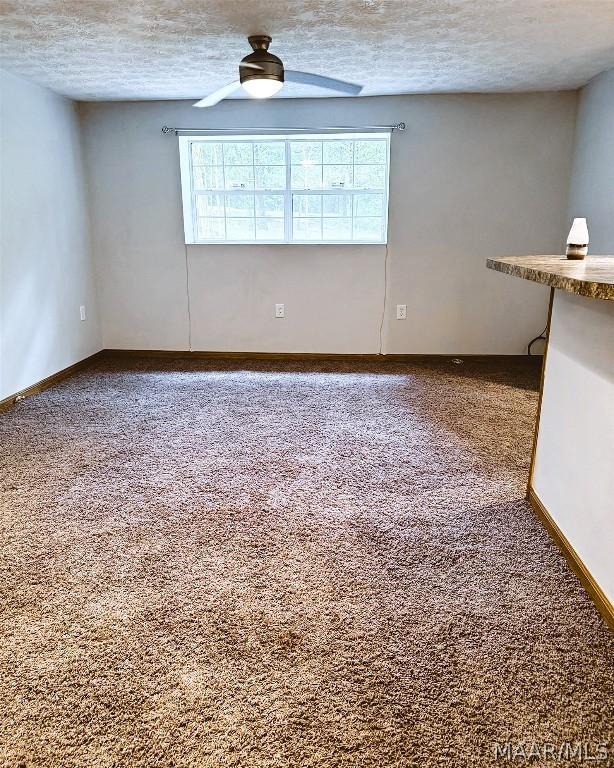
column 187, row 291
column 381, row 325
column 542, row 335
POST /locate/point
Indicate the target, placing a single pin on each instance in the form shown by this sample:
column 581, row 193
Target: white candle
column 578, row 234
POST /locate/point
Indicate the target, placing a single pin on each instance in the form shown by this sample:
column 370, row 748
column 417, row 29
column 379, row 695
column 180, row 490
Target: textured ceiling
column 166, row 49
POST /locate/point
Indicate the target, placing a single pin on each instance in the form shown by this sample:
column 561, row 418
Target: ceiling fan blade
column 217, row 96
column 308, row 78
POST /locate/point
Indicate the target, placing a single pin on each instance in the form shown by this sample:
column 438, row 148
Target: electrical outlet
column 401, row 311
column 280, row 310
column 82, row 312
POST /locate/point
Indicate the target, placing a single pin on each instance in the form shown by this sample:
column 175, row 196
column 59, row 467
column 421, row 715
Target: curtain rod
column 338, row 128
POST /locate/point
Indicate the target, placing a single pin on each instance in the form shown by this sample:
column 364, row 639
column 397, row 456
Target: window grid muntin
column 352, row 193
column 224, row 194
column 289, row 192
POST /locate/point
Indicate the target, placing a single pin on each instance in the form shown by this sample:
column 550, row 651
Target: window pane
column 306, row 177
column 273, row 177
column 270, row 205
column 369, row 228
column 307, row 229
column 207, row 153
column 336, row 205
column 269, row 229
column 337, row 229
column 307, row 205
column 368, row 205
column 239, row 177
column 306, row 152
column 370, row 151
column 236, row 153
column 337, row 151
column 210, row 229
column 240, row 229
column 270, row 153
column 241, row 188
column 209, row 205
column 209, row 178
column 369, row 176
column 337, row 176
column 239, row 205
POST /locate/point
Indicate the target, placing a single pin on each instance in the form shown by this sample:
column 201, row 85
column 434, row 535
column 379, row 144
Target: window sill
column 284, row 242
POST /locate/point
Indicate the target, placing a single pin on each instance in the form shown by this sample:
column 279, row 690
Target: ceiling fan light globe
column 261, row 87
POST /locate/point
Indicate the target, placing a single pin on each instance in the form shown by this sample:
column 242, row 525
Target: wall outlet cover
column 401, row 311
column 280, row 310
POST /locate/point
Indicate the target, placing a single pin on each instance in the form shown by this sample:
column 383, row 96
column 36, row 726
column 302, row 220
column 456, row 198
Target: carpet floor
column 285, row 565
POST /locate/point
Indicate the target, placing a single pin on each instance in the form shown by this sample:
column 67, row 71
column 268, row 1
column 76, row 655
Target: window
column 285, row 189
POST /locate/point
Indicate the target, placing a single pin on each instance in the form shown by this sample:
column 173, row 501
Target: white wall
column 573, row 469
column 46, row 272
column 573, row 463
column 473, row 176
column 592, row 184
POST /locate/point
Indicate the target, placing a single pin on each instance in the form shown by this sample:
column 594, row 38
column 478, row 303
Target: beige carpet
column 282, row 565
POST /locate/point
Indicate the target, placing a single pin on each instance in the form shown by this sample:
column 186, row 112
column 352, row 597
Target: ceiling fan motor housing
column 261, row 65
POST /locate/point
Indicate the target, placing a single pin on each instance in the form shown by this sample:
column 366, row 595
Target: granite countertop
column 592, row 276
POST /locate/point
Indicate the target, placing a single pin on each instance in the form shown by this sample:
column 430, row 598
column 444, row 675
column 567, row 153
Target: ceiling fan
column 262, row 75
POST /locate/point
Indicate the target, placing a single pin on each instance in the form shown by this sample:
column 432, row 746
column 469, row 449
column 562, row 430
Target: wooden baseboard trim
column 49, row 381
column 364, row 357
column 184, row 354
column 597, row 595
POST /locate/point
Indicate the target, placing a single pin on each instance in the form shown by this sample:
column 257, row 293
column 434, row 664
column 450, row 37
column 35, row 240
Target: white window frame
column 189, row 194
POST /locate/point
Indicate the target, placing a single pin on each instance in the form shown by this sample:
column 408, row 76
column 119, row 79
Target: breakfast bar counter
column 592, row 277
column 571, row 481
